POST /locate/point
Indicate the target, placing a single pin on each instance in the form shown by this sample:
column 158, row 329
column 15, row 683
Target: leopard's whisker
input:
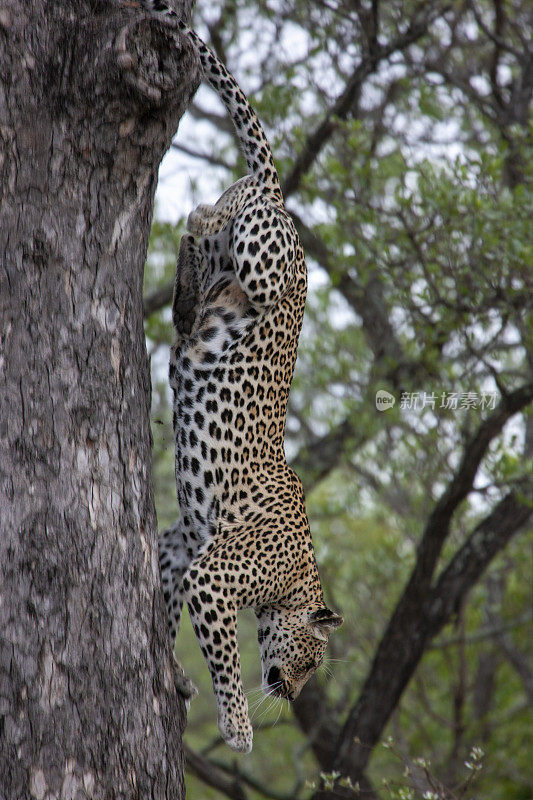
column 258, row 699
column 271, row 688
column 280, row 709
column 264, row 711
column 256, row 705
column 256, row 690
column 255, row 708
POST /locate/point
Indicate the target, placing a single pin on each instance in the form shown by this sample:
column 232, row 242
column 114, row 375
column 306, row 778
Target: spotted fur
column 242, row 539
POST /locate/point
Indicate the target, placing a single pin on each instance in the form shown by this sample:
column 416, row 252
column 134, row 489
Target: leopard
column 242, row 539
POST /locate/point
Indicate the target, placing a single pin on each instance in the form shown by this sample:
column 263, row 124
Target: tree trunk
column 88, row 707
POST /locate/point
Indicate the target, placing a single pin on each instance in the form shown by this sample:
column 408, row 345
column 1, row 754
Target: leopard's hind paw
column 183, row 684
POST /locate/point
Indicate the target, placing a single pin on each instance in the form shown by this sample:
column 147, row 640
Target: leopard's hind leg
column 208, row 220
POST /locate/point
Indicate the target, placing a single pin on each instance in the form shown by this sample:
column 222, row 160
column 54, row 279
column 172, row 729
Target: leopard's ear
column 323, row 622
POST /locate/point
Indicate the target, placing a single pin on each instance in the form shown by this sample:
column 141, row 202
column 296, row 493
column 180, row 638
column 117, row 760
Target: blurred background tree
column 403, row 136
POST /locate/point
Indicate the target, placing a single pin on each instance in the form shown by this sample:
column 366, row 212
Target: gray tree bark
column 88, row 707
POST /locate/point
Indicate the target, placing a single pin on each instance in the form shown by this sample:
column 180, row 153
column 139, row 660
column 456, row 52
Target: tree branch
column 405, row 642
column 222, row 122
column 157, row 298
column 422, row 611
column 494, row 631
column 316, row 460
column 316, row 720
column 437, row 527
column 471, row 560
column 495, row 36
column 209, row 157
column 213, row 776
column 228, row 778
column 345, row 102
column 367, row 301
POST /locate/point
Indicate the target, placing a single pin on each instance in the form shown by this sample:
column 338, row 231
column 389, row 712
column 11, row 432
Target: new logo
column 384, row 400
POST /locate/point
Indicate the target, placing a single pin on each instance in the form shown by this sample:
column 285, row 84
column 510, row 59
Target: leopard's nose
column 274, row 676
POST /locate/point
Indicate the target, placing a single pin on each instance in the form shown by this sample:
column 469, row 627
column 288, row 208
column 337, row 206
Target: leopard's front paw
column 236, row 731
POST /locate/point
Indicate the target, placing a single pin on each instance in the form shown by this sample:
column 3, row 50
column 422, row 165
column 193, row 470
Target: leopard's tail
column 253, row 140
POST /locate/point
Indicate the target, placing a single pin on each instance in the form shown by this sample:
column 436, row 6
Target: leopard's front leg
column 214, row 619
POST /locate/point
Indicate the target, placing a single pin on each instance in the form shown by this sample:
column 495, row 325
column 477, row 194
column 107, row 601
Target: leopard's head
column 292, row 644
